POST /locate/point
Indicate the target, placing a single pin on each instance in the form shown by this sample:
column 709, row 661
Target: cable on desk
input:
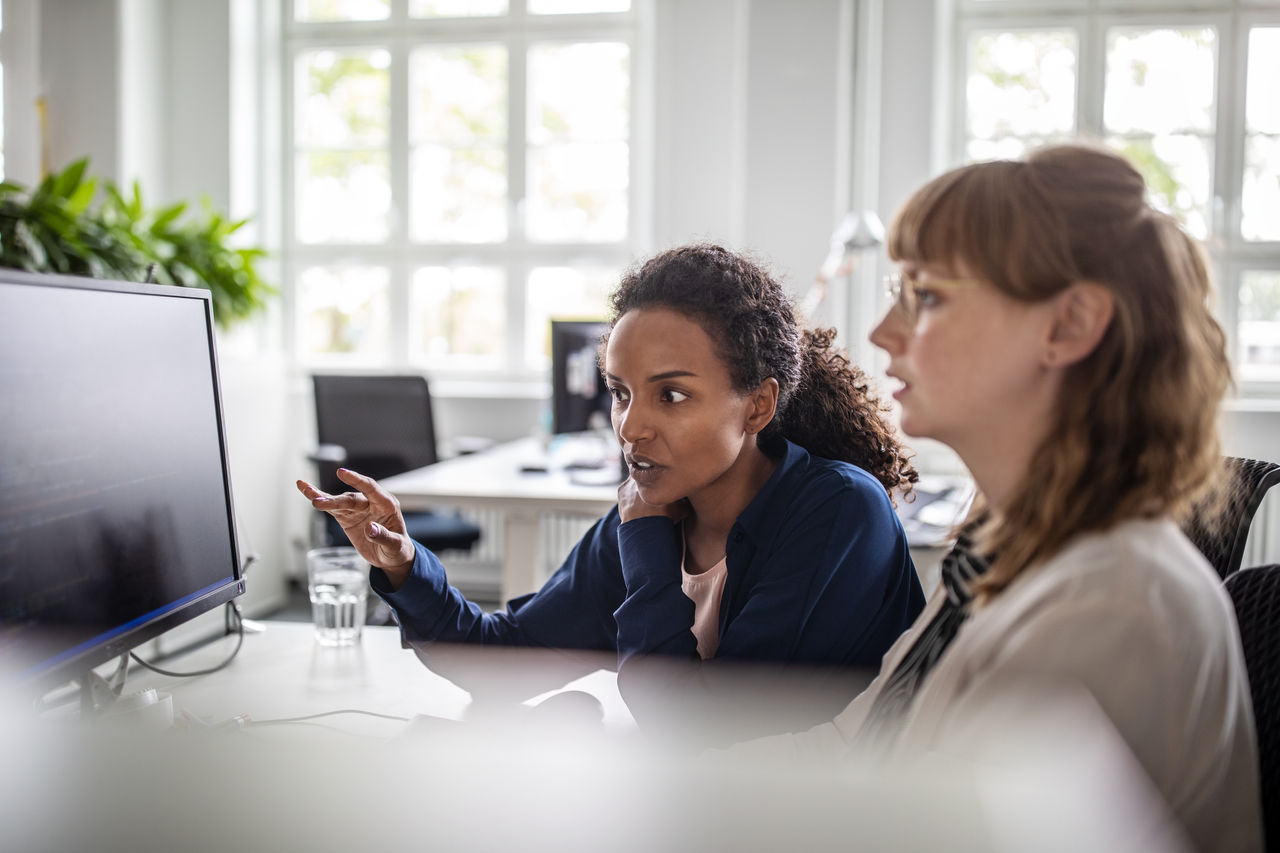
column 303, row 719
column 233, row 610
column 230, row 614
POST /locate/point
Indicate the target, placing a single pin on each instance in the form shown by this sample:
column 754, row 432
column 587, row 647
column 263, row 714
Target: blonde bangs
column 993, row 220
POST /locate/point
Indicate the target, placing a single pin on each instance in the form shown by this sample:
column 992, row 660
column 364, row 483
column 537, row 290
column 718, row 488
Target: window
column 457, row 173
column 1188, row 95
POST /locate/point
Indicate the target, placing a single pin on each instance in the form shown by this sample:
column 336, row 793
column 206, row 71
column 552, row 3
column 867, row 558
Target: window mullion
column 398, row 155
column 1229, row 181
column 1091, row 79
column 517, row 176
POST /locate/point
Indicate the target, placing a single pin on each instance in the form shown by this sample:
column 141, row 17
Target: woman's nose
column 631, row 422
column 890, row 333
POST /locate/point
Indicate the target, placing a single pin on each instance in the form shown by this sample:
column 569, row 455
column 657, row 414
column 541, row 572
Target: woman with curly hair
column 1055, row 331
column 757, row 522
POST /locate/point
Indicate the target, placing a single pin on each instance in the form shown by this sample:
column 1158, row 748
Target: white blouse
column 1135, row 617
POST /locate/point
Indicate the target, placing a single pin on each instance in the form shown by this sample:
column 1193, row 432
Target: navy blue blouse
column 818, row 572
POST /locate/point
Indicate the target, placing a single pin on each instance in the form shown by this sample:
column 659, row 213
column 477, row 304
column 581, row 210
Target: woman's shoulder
column 820, row 473
column 1145, row 567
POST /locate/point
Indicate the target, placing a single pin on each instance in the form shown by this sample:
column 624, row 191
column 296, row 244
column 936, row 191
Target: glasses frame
column 901, row 289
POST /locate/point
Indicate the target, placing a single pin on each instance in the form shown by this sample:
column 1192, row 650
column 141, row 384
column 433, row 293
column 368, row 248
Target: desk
column 494, row 479
column 350, row 783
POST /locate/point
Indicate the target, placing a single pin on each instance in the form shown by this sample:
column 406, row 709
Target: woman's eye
column 619, row 394
column 925, row 298
column 671, row 395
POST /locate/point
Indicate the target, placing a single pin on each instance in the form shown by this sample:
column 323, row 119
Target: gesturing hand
column 371, row 518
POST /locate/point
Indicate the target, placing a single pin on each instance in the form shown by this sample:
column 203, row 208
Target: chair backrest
column 1255, row 593
column 383, row 423
column 1219, row 528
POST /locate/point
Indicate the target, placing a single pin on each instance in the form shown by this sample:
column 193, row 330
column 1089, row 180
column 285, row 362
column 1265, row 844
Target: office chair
column 1255, row 593
column 1219, row 529
column 380, row 426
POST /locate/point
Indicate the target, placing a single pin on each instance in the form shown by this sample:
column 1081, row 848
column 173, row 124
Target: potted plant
column 64, row 225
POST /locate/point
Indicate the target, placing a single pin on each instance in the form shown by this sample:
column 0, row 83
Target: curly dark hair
column 824, row 400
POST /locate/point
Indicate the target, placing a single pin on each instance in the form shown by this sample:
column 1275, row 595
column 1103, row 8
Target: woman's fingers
column 309, row 491
column 368, row 487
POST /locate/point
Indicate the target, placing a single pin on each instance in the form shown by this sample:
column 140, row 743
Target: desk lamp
column 858, row 231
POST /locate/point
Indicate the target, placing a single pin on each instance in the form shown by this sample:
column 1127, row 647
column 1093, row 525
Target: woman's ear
column 762, row 403
column 1081, row 317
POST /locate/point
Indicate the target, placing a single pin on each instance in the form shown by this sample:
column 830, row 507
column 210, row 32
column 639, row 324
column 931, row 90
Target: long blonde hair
column 1135, row 433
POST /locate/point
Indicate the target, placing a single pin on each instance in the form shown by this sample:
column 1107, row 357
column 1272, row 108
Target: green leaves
column 55, row 227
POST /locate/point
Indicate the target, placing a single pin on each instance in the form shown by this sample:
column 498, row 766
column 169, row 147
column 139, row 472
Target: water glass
column 338, row 583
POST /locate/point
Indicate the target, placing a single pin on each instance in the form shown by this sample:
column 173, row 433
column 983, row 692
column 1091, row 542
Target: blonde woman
column 1053, row 330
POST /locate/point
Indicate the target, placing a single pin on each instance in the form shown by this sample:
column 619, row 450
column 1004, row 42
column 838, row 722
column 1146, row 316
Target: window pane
column 561, row 7
column 341, row 10
column 1177, row 169
column 343, row 98
column 344, row 314
column 579, row 160
column 457, row 314
column 563, row 293
column 1259, row 354
column 459, row 195
column 1262, row 106
column 1160, row 80
column 578, row 192
column 579, row 92
column 1008, row 148
column 1021, row 84
column 1260, row 198
column 458, row 130
column 343, row 197
column 458, row 94
column 342, row 122
column 456, row 8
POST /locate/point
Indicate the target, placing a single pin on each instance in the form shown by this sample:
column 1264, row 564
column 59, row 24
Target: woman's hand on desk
column 371, row 518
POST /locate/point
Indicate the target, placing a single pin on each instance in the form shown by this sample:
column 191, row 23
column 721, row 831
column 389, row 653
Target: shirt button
column 737, row 536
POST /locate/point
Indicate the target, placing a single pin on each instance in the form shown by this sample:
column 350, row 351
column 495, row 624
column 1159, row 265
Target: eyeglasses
column 908, row 294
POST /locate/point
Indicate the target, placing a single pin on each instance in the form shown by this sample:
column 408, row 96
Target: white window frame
column 1231, row 255
column 515, row 255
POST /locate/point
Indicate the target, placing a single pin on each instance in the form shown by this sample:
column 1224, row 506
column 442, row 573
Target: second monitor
column 580, row 400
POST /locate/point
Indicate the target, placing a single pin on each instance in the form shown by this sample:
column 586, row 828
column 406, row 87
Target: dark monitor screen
column 116, row 520
column 579, row 399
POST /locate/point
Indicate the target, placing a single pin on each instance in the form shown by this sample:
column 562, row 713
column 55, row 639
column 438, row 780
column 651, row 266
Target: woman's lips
column 902, row 388
column 643, row 470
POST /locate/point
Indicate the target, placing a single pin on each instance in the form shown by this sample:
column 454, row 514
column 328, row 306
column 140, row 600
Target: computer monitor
column 116, row 520
column 579, row 398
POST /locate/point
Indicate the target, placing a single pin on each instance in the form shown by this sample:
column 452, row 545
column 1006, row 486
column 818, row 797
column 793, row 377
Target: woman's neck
column 717, row 507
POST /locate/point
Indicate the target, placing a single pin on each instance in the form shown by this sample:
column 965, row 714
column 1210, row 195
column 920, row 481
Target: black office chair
column 1219, row 525
column 380, row 426
column 1255, row 593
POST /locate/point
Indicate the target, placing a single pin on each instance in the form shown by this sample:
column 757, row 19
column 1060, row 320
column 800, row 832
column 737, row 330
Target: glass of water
column 338, row 582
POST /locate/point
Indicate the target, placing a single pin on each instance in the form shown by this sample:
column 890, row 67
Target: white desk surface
column 352, row 783
column 494, row 477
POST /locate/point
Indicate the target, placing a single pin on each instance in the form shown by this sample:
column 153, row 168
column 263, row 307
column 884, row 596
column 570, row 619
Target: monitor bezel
column 41, row 676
